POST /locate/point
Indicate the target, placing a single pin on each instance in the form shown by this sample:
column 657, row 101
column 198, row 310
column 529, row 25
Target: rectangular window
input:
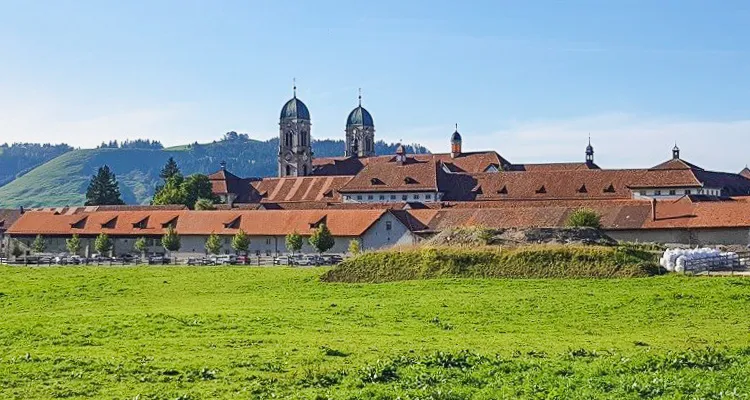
column 268, row 240
column 688, row 191
column 388, row 225
column 393, row 197
column 416, row 197
column 657, row 192
column 382, row 197
column 642, row 192
column 347, row 197
column 428, row 196
column 359, row 197
column 672, row 192
column 369, row 197
column 404, row 197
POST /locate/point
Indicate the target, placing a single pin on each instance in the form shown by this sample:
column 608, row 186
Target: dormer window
column 110, row 224
column 172, row 223
column 541, row 190
column 503, row 190
column 582, row 189
column 409, row 180
column 233, row 224
column 477, row 189
column 142, row 224
column 316, row 224
column 609, row 189
column 492, row 168
column 328, row 193
column 80, row 224
column 376, row 181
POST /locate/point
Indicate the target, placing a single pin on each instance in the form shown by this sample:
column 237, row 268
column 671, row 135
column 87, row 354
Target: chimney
column 653, row 209
column 21, row 209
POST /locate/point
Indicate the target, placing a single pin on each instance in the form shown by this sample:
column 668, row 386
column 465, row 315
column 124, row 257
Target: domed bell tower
column 295, row 144
column 455, row 143
column 360, row 132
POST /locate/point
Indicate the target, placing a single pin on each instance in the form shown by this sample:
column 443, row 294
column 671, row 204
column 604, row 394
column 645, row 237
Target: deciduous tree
column 294, row 242
column 240, row 242
column 321, row 239
column 213, row 243
column 73, row 244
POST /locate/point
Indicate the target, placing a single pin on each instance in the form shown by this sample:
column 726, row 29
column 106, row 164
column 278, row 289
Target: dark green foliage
column 16, row 251
column 321, row 239
column 171, row 240
column 169, row 170
column 584, row 218
column 103, row 244
column 524, row 262
column 103, row 189
column 62, row 181
column 187, row 191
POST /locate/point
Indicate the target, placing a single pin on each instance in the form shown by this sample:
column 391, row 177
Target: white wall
column 395, row 197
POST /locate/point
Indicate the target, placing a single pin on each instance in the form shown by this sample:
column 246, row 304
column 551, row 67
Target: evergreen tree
column 103, row 244
column 39, row 244
column 103, row 189
column 196, row 186
column 171, row 240
column 240, row 242
column 294, row 242
column 322, row 240
column 73, row 244
column 213, row 244
column 169, row 170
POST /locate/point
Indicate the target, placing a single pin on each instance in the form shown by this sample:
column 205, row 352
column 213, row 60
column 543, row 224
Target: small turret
column 675, row 152
column 455, row 143
column 589, row 153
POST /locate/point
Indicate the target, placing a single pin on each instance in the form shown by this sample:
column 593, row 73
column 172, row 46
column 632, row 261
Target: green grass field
column 246, row 333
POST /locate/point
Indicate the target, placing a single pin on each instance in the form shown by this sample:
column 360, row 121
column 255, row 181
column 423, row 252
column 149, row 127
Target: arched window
column 288, row 170
column 304, row 170
column 288, row 139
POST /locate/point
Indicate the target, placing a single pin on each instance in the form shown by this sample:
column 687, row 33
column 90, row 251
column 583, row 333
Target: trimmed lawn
column 238, row 332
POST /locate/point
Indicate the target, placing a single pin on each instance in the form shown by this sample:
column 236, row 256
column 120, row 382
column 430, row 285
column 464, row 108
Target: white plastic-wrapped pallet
column 681, row 260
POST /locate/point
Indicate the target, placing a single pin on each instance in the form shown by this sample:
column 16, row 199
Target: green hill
column 63, row 180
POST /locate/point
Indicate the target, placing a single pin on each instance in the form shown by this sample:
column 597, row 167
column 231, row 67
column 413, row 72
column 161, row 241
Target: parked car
column 3, row 260
column 156, row 260
column 283, row 260
column 306, row 260
column 226, row 259
column 243, row 260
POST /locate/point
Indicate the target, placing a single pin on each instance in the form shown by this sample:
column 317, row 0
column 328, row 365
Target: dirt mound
column 477, row 236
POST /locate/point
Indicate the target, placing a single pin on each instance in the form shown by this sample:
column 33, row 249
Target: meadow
column 247, row 333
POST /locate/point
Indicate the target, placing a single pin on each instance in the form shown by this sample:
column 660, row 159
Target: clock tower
column 295, row 147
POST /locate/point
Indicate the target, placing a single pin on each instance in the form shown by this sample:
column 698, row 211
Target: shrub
column 487, row 262
column 584, row 218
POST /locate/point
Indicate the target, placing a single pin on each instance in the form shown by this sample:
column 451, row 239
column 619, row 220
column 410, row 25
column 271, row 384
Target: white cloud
column 620, row 141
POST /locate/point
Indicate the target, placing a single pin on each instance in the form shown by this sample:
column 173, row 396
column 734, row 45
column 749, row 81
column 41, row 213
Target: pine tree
column 294, row 242
column 213, row 243
column 169, row 170
column 322, row 240
column 240, row 242
column 73, row 244
column 103, row 189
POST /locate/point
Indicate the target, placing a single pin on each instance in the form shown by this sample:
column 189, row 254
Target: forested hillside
column 63, row 180
column 19, row 158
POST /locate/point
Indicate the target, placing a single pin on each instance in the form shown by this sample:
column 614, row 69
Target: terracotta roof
column 676, row 163
column 299, row 189
column 412, row 175
column 553, row 166
column 464, row 162
column 187, row 222
column 8, row 217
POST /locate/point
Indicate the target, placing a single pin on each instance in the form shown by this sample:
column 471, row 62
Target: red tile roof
column 262, row 222
column 411, row 176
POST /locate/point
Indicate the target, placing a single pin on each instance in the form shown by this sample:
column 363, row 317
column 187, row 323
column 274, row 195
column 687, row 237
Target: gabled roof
column 189, row 222
column 299, row 189
column 412, row 175
column 554, row 166
column 676, row 163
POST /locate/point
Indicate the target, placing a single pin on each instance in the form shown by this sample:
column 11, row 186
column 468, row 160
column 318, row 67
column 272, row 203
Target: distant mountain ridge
column 63, row 179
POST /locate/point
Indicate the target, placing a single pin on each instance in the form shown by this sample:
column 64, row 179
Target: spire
column 456, row 126
column 675, row 151
column 360, row 97
column 294, row 80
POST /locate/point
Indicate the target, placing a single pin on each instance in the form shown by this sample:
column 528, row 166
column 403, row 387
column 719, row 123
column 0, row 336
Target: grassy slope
column 63, row 180
column 206, row 333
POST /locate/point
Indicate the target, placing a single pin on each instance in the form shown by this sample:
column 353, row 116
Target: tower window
column 288, row 170
column 304, row 170
column 388, row 225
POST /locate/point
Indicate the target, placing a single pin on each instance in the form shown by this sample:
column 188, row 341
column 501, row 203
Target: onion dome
column 295, row 109
column 455, row 137
column 360, row 116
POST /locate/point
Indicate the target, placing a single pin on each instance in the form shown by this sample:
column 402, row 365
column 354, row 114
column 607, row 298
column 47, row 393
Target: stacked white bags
column 696, row 260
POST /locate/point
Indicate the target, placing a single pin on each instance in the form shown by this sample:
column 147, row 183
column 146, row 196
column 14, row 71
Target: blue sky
column 530, row 79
